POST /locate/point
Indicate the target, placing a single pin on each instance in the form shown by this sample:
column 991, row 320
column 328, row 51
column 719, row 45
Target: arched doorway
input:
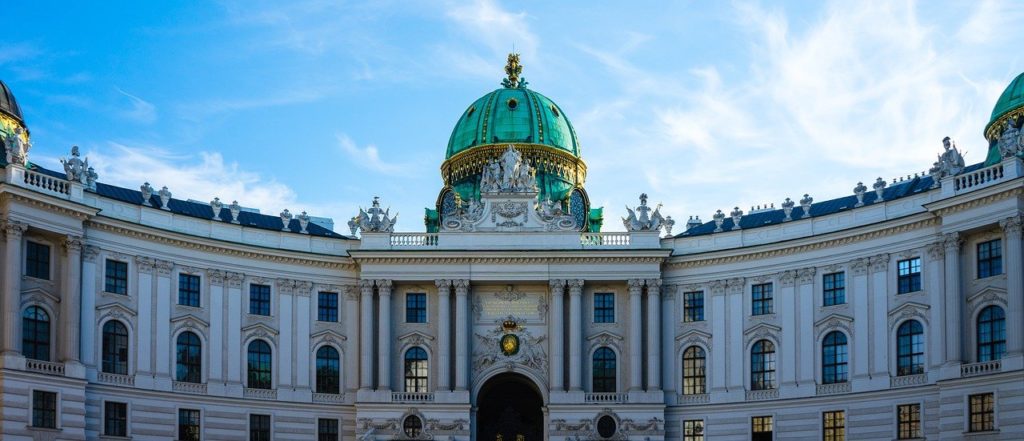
column 509, row 409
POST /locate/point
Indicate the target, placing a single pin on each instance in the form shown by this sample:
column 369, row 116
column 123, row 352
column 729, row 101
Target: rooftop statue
column 949, row 163
column 644, row 218
column 508, row 174
column 1010, row 141
column 375, row 219
column 75, row 168
column 17, row 148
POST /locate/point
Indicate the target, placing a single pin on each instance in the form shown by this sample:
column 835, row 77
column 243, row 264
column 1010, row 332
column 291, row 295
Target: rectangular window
column 44, row 409
column 115, row 419
column 909, row 421
column 983, row 412
column 909, row 279
column 327, row 307
column 259, row 299
column 415, row 307
column 835, row 289
column 188, row 290
column 327, row 429
column 604, row 307
column 833, row 425
column 990, row 258
column 116, row 280
column 763, row 301
column 259, row 427
column 188, row 425
column 693, row 306
column 761, row 428
column 37, row 260
column 693, row 430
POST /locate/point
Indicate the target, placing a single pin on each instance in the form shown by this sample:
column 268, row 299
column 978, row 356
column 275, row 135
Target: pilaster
column 575, row 335
column 215, row 382
column 1014, row 270
column 145, row 338
column 89, row 280
column 786, row 308
column 858, row 299
column 461, row 334
column 351, row 325
column 806, row 347
column 384, row 334
column 12, row 288
column 653, row 334
column 234, row 332
column 636, row 287
column 556, row 336
column 879, row 266
column 71, row 301
column 444, row 323
column 951, row 242
column 366, row 335
column 162, row 325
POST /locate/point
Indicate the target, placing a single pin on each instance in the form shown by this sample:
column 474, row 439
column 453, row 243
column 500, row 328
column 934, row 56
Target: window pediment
column 909, row 310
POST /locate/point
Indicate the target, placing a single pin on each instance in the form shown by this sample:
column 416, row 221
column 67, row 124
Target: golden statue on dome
column 512, row 71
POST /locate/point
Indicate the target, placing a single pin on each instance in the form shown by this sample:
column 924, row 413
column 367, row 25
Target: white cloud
column 369, row 157
column 141, row 111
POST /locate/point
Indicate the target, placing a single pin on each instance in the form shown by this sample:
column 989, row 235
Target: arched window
column 327, row 370
column 762, row 365
column 189, row 358
column 991, row 333
column 412, row 426
column 416, row 369
column 694, row 363
column 259, row 363
column 834, row 358
column 35, row 334
column 604, row 370
column 910, row 348
column 115, row 348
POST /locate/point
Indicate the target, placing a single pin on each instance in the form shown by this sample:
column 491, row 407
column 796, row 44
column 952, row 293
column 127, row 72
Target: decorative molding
column 215, row 276
column 327, row 336
column 787, row 278
column 762, row 331
column 879, row 262
column 694, row 337
column 805, row 275
column 415, row 338
column 90, row 253
column 163, row 267
column 735, row 285
column 835, row 322
column 398, row 260
column 259, row 330
column 935, row 251
column 909, row 310
column 144, row 264
column 234, row 279
column 605, row 338
column 1012, row 226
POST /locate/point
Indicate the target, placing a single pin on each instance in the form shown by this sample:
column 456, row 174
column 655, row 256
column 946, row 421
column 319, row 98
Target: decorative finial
column 512, row 71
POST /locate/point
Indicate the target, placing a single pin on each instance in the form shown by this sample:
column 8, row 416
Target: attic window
column 554, row 110
column 512, row 103
column 471, row 110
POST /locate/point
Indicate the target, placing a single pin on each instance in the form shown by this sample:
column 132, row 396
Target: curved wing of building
column 893, row 312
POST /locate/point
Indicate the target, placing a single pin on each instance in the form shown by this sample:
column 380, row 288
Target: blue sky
column 320, row 105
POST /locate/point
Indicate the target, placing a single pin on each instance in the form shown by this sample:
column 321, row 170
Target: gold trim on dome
column 8, row 123
column 544, row 158
column 996, row 128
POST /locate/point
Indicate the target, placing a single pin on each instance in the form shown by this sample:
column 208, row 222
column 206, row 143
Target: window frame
column 264, row 365
column 987, row 418
column 190, row 289
column 35, row 266
column 113, row 277
column 833, row 292
column 335, row 378
column 990, row 265
column 33, row 406
column 267, row 419
column 42, row 350
column 193, row 365
column 693, row 436
column 106, row 419
column 834, row 431
column 121, row 350
column 416, row 307
column 416, row 375
column 329, row 312
column 763, row 374
column 256, row 304
column 198, row 424
column 911, row 431
column 320, row 433
column 838, row 369
column 604, row 307
column 694, row 383
column 758, row 421
column 693, row 306
column 997, row 325
column 907, row 279
column 912, row 363
column 609, row 374
column 762, row 299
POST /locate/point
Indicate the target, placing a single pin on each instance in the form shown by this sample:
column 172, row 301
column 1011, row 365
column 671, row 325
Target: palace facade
column 894, row 312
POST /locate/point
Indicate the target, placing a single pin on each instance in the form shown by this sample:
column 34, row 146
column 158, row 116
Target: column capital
column 635, row 285
column 163, row 267
column 952, row 242
column 443, row 283
column 234, row 279
column 935, row 251
column 384, row 285
column 351, row 292
column 1012, row 226
column 216, row 276
column 14, row 229
column 366, row 286
column 73, row 243
column 806, row 275
column 556, row 283
column 285, row 286
column 879, row 263
column 735, row 285
column 787, row 278
column 653, row 287
column 303, row 288
column 461, row 287
column 575, row 286
column 90, row 252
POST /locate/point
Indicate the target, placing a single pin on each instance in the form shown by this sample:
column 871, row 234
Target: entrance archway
column 509, row 409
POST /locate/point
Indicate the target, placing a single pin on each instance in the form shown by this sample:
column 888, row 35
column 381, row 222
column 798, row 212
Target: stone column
column 668, row 321
column 556, row 335
column 351, row 325
column 734, row 290
column 805, row 323
column 715, row 297
column 285, row 347
column 1014, row 285
column 217, row 320
column 879, row 266
column 444, row 338
column 366, row 335
column 234, row 331
column 636, row 286
column 575, row 335
column 89, row 280
column 935, row 285
column 786, row 309
column 384, row 334
column 654, row 334
column 303, row 323
column 461, row 334
column 162, row 324
column 952, row 242
column 12, row 288
column 857, row 296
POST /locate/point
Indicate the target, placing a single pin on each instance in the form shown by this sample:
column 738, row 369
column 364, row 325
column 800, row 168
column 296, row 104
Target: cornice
column 985, row 196
column 11, row 193
column 178, row 240
column 503, row 260
column 774, row 250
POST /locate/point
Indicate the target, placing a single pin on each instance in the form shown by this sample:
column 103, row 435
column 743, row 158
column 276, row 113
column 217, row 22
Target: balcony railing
column 908, row 380
column 414, row 239
column 44, row 367
column 978, row 178
column 604, row 239
column 46, row 183
column 757, row 395
column 189, row 388
column 328, row 398
column 606, row 397
column 412, row 397
column 833, row 388
column 694, row 399
column 260, row 394
column 108, row 378
column 981, row 368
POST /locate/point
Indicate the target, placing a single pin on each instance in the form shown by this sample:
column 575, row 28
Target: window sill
column 113, row 437
column 45, row 429
column 982, row 433
column 113, row 293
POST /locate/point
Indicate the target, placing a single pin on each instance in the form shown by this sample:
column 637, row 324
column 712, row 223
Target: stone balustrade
column 44, row 367
column 412, row 397
column 606, row 397
column 189, row 388
column 328, row 398
column 980, row 368
column 758, row 395
column 833, row 388
column 908, row 380
column 260, row 394
column 118, row 379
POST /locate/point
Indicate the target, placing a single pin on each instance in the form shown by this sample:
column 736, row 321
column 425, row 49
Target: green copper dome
column 513, row 115
column 1011, row 99
column 1009, row 109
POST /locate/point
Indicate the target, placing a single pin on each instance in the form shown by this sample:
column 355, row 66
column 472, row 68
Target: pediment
column 415, row 338
column 114, row 310
column 259, row 329
column 40, row 295
column 328, row 335
column 832, row 319
column 909, row 310
column 605, row 336
column 761, row 328
column 693, row 334
column 190, row 319
column 989, row 293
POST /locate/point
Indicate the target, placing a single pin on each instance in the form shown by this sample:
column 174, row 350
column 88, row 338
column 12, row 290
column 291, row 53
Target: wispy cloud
column 369, row 157
column 141, row 111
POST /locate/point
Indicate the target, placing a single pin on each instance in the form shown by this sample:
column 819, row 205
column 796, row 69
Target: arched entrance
column 509, row 409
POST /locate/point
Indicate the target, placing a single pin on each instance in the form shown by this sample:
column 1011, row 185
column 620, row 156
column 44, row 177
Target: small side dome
column 1007, row 119
column 9, row 105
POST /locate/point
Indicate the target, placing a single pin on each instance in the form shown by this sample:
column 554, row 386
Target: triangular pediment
column 762, row 328
column 415, row 335
column 834, row 318
column 191, row 319
column 605, row 335
column 40, row 295
column 115, row 310
column 694, row 334
column 988, row 293
column 259, row 328
column 328, row 334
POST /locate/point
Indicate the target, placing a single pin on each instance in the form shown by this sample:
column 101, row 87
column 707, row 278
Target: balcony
column 189, row 388
column 690, row 399
column 758, row 395
column 117, row 379
column 980, row 368
column 44, row 367
column 328, row 398
column 260, row 394
column 833, row 388
column 606, row 397
column 908, row 380
column 419, row 240
column 604, row 240
column 412, row 397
